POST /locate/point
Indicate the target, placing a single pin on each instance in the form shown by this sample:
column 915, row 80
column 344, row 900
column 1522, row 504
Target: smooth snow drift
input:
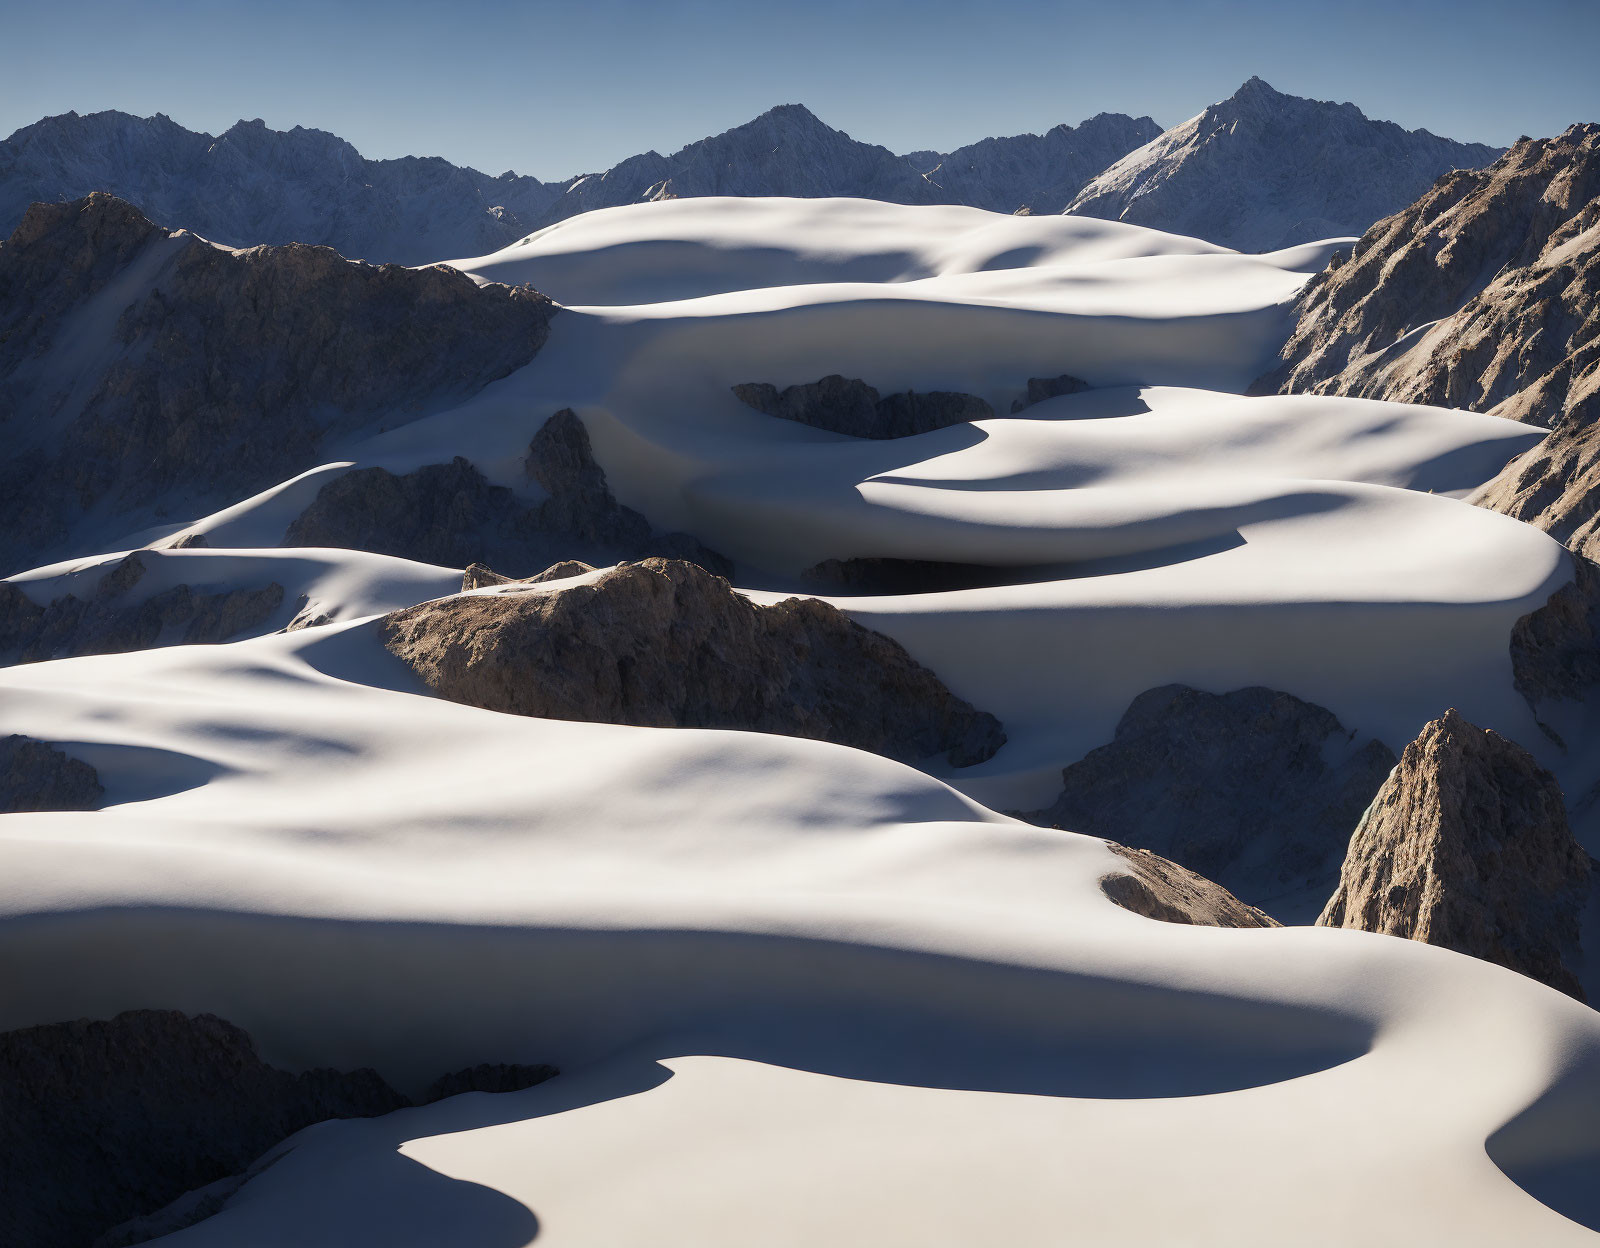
column 801, row 994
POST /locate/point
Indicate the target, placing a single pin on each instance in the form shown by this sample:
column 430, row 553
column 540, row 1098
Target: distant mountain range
column 1256, row 171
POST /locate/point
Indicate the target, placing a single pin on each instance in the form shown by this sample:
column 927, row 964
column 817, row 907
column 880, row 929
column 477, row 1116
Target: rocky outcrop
column 106, row 1120
column 663, row 643
column 451, row 515
column 34, row 775
column 252, row 184
column 1160, row 889
column 113, row 621
column 1484, row 294
column 1555, row 651
column 102, row 1122
column 1467, row 846
column 1263, row 170
column 1254, row 789
column 1042, row 388
column 845, row 405
column 192, row 365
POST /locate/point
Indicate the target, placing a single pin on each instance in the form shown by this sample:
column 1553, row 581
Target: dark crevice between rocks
column 109, row 1121
column 106, row 623
column 850, row 406
column 663, row 643
column 450, row 514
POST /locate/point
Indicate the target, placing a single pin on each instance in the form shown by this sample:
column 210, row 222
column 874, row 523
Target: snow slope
column 801, row 994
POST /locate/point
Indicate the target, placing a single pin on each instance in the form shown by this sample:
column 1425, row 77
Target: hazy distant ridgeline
column 1266, row 170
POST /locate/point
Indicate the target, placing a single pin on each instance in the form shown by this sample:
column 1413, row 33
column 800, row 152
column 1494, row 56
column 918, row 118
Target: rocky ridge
column 1035, row 174
column 1254, row 789
column 664, row 643
column 1467, row 846
column 137, row 362
column 110, row 622
column 1262, row 170
column 452, row 515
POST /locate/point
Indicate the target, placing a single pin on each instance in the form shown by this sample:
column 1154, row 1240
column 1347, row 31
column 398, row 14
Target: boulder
column 1158, row 888
column 664, row 643
column 1467, row 846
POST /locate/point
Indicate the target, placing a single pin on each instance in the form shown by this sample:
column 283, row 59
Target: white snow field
column 803, row 995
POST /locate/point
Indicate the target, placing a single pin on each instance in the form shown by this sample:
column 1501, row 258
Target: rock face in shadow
column 452, row 515
column 1254, row 789
column 1467, row 846
column 1484, row 294
column 134, row 361
column 1555, row 651
column 845, row 405
column 107, row 1120
column 477, row 575
column 1160, row 889
column 1042, row 388
column 108, row 622
column 111, row 1120
column 663, row 643
column 34, row 775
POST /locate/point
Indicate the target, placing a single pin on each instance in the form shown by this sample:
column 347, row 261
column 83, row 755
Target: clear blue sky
column 555, row 89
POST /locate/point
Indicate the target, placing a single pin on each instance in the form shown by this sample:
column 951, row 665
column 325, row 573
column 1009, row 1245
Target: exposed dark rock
column 487, row 1077
column 34, row 775
column 904, row 576
column 1160, row 889
column 477, row 576
column 188, row 365
column 1254, row 789
column 103, row 1121
column 107, row 623
column 1484, row 294
column 845, row 405
column 1467, row 846
column 663, row 643
column 450, row 514
column 1042, row 388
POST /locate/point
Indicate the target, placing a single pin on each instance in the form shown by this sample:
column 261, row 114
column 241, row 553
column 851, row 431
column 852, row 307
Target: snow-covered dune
column 801, row 994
